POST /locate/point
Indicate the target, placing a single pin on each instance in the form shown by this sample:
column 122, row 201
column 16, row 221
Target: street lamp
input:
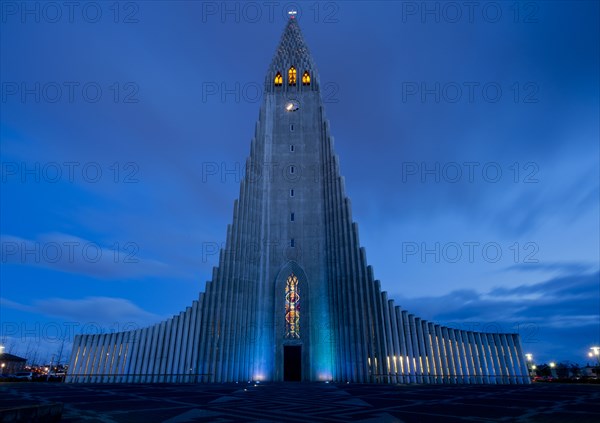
column 553, row 369
column 595, row 352
column 530, row 365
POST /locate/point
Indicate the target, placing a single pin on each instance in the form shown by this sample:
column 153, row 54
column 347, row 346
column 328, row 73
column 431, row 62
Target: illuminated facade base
column 293, row 297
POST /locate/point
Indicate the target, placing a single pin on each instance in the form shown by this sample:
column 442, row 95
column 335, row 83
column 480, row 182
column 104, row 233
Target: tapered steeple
column 292, row 54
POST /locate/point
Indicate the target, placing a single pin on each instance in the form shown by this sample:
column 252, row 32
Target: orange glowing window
column 292, row 76
column 306, row 78
column 278, row 79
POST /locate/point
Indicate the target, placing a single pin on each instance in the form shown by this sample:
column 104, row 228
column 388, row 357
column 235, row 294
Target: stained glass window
column 306, row 78
column 292, row 76
column 292, row 308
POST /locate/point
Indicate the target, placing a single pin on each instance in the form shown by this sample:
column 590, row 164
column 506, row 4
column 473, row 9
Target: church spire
column 292, row 66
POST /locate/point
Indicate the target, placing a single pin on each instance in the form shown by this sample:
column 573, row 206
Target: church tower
column 292, row 298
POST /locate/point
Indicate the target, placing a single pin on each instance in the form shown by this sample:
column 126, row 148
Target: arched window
column 292, row 308
column 306, row 78
column 278, row 79
column 292, row 76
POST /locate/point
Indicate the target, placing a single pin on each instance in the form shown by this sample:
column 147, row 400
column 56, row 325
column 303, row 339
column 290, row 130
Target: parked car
column 24, row 375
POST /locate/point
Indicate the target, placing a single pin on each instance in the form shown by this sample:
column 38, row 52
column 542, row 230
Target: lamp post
column 50, row 368
column 530, row 365
column 553, row 369
column 595, row 352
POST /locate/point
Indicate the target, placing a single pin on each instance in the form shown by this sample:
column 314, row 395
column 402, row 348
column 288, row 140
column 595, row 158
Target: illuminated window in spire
column 306, row 78
column 292, row 76
column 278, row 79
column 292, row 308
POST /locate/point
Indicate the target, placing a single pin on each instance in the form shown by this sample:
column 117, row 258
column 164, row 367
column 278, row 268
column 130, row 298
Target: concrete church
column 293, row 298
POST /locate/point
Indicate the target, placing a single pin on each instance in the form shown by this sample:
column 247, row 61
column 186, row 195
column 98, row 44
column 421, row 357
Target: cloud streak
column 72, row 254
column 562, row 311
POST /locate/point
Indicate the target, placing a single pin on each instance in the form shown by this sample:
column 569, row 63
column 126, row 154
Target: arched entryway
column 292, row 324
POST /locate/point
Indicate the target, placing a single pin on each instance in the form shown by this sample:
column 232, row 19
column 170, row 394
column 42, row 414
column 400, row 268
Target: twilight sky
column 467, row 135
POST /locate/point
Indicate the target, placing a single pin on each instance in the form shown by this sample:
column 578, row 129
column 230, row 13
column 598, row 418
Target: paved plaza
column 307, row 402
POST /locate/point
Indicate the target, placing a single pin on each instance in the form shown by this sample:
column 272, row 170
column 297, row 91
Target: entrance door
column 292, row 363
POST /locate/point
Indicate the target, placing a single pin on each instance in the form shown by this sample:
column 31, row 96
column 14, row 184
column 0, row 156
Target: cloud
column 549, row 302
column 101, row 311
column 72, row 254
column 46, row 338
column 561, row 267
column 561, row 313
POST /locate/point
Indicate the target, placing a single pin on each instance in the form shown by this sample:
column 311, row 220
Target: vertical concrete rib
column 196, row 327
column 508, row 362
column 435, row 353
column 174, row 345
column 449, row 356
column 389, row 349
column 403, row 346
column 410, row 369
column 481, row 343
column 493, row 371
column 357, row 274
column 468, row 355
column 443, row 366
column 428, row 356
column 396, row 351
column 380, row 361
column 523, row 365
column 187, row 364
column 422, row 358
column 152, row 354
column 462, row 353
column 140, row 365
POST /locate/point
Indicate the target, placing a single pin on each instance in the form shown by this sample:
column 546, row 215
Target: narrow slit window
column 292, row 169
column 291, row 193
column 292, row 148
column 292, row 127
column 292, row 217
column 292, row 242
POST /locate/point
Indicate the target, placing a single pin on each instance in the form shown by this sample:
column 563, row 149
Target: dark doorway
column 292, row 363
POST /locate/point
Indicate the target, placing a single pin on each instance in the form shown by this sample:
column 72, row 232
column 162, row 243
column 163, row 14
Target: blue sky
column 468, row 139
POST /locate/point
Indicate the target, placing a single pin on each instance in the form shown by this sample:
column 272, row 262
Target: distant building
column 11, row 364
column 293, row 298
column 589, row 371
